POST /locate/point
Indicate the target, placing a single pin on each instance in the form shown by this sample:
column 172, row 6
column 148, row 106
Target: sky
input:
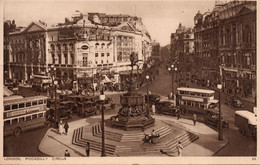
column 161, row 18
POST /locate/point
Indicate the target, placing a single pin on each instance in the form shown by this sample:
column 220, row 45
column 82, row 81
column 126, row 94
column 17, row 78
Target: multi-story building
column 79, row 47
column 225, row 46
column 182, row 49
column 237, row 47
column 206, row 68
column 155, row 50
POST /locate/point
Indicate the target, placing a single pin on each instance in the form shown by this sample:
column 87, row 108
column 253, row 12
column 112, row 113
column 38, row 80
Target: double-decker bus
column 41, row 82
column 193, row 100
column 23, row 114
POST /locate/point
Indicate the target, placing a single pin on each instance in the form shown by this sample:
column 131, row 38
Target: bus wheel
column 17, row 131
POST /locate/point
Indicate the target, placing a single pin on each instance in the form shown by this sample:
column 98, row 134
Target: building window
column 102, row 45
column 66, row 58
column 101, row 61
column 234, row 34
column 108, row 54
column 97, row 44
column 247, row 34
column 85, row 59
column 59, row 55
column 96, row 54
column 102, row 54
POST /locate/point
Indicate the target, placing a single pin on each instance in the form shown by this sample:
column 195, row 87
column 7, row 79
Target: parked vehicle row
column 81, row 105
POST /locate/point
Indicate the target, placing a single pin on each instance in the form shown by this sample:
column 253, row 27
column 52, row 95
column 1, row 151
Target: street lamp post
column 102, row 98
column 220, row 135
column 147, row 79
column 55, row 84
column 172, row 69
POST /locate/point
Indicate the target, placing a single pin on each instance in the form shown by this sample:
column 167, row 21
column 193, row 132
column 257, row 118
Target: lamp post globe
column 147, row 95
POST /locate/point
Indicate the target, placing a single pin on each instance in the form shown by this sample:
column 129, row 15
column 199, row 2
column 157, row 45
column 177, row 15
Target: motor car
column 166, row 107
column 236, row 103
column 86, row 108
column 153, row 98
column 211, row 117
column 108, row 103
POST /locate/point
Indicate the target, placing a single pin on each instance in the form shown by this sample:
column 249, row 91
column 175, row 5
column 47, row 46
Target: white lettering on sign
column 21, row 112
column 192, row 98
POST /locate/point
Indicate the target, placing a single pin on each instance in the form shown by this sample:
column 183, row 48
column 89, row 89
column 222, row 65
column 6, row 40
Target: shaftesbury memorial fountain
column 133, row 114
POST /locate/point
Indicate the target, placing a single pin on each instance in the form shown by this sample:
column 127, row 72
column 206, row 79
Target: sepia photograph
column 133, row 82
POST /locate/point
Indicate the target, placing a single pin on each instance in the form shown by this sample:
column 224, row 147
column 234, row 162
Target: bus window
column 7, row 122
column 201, row 105
column 21, row 105
column 34, row 103
column 203, row 95
column 14, row 121
column 40, row 102
column 28, row 118
column 34, row 116
column 40, row 115
column 197, row 104
column 28, row 104
column 15, row 106
column 21, row 119
column 189, row 103
column 44, row 101
column 192, row 93
column 181, row 92
column 7, row 107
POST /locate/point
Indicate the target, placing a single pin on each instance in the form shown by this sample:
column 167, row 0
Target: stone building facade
column 182, row 50
column 80, row 47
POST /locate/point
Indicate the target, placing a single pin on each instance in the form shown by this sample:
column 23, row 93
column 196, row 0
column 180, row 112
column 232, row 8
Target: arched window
column 97, row 44
column 65, row 48
column 71, row 46
column 52, row 47
column 102, row 45
column 58, row 47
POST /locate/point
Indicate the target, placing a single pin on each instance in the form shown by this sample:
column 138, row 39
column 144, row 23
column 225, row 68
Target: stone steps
column 163, row 131
column 94, row 145
column 108, row 135
column 186, row 138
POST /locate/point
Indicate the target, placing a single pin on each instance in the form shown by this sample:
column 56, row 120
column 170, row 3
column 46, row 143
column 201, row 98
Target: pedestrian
column 67, row 154
column 153, row 109
column 178, row 114
column 179, row 148
column 60, row 127
column 87, row 148
column 66, row 127
column 194, row 118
